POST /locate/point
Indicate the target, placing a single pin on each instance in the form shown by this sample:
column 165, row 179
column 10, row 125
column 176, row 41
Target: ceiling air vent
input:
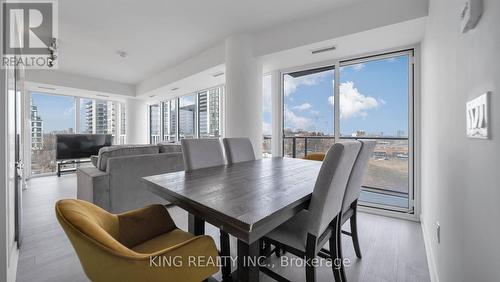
column 323, row 49
column 217, row 74
column 46, row 88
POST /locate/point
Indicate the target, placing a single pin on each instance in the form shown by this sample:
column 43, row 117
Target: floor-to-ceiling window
column 57, row 114
column 187, row 116
column 197, row 115
column 50, row 115
column 375, row 101
column 266, row 116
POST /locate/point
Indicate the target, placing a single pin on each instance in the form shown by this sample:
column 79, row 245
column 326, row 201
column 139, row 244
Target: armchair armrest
column 196, row 260
column 144, row 224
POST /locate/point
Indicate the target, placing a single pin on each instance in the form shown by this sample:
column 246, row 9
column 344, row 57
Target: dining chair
column 353, row 190
column 238, row 150
column 201, row 153
column 306, row 233
column 132, row 246
column 205, row 153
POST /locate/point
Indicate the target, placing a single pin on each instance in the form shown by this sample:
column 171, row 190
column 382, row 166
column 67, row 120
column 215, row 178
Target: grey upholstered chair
column 201, row 153
column 305, row 233
column 350, row 205
column 205, row 153
column 238, row 150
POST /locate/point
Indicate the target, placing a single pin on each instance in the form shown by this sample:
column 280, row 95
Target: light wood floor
column 393, row 249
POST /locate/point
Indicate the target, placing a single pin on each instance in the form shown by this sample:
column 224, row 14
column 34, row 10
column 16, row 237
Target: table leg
column 196, row 225
column 225, row 252
column 248, row 256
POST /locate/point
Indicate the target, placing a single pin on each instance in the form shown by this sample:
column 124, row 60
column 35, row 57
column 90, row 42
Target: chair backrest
column 238, row 150
column 89, row 225
column 201, row 153
column 358, row 170
column 328, row 193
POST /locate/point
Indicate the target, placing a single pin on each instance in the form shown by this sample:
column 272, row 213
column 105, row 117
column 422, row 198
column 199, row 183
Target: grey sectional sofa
column 114, row 182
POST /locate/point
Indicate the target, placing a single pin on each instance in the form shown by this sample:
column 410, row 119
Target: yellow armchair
column 315, row 157
column 140, row 245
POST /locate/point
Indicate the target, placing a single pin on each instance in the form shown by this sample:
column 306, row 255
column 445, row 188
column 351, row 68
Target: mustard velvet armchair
column 315, row 157
column 140, row 245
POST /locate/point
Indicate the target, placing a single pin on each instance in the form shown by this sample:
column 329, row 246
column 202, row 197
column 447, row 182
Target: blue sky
column 374, row 98
column 57, row 112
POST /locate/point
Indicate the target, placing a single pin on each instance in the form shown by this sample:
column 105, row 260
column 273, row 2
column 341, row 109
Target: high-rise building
column 209, row 109
column 101, row 117
column 187, row 116
column 203, row 113
column 155, row 123
column 36, row 129
column 214, row 112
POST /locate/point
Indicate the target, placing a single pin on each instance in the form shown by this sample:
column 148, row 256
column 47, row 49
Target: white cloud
column 358, row 67
column 294, row 121
column 69, row 111
column 353, row 103
column 291, row 83
column 303, row 107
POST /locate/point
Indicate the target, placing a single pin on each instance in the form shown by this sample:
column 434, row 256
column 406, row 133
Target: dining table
column 246, row 200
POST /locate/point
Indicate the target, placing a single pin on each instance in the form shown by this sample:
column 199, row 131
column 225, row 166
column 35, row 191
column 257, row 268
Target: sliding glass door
column 375, row 101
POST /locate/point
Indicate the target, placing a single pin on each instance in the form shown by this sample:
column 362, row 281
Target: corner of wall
column 429, row 251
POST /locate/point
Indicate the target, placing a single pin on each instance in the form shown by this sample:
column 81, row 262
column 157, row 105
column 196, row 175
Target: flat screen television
column 80, row 146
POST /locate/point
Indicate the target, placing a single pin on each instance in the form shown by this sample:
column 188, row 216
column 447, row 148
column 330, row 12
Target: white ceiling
column 158, row 34
column 395, row 37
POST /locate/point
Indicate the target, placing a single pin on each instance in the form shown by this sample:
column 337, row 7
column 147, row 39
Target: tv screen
column 80, row 146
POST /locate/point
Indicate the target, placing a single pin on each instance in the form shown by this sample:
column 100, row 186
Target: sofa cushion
column 123, row 150
column 169, row 147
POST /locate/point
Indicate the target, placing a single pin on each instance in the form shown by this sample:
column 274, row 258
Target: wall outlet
column 438, row 232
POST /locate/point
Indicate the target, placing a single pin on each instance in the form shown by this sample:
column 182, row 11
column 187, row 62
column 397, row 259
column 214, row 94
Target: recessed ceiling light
column 323, row 49
column 175, row 88
column 122, row 53
column 102, row 95
column 217, row 74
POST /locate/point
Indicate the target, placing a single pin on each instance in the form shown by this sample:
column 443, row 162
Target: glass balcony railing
column 386, row 180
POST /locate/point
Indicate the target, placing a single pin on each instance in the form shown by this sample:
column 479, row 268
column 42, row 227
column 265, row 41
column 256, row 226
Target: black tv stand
column 63, row 163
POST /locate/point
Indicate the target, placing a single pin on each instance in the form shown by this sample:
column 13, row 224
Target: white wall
column 460, row 176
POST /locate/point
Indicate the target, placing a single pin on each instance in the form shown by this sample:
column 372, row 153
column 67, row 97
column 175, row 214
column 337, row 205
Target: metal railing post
column 305, row 147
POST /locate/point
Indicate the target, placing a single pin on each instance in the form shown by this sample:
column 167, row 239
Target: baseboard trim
column 431, row 261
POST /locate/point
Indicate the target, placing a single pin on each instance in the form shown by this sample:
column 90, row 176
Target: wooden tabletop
column 247, row 199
